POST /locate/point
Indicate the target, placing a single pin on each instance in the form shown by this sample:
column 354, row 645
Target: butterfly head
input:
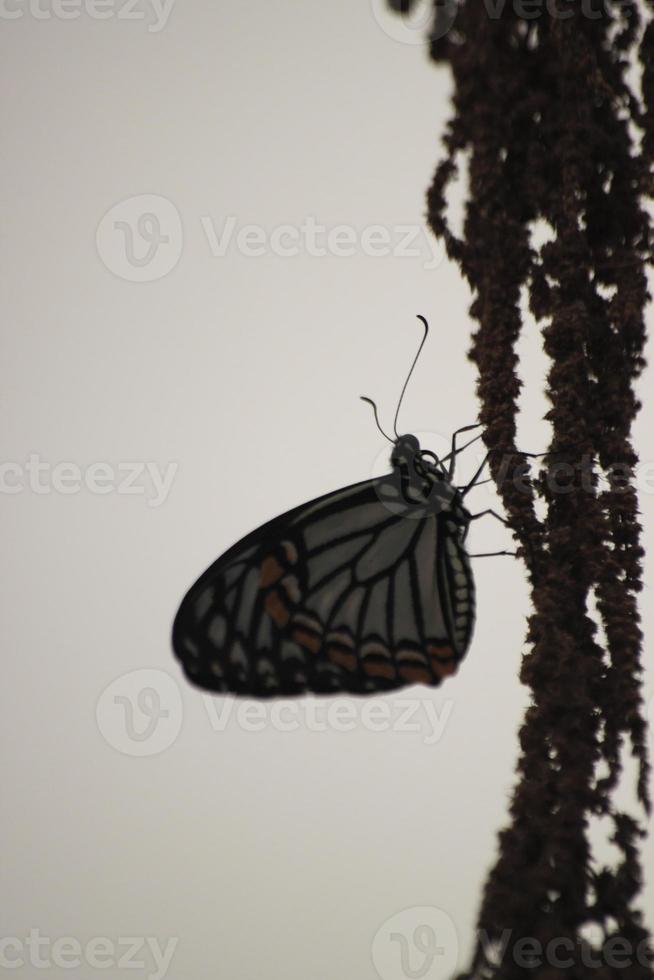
column 405, row 450
column 407, row 454
column 421, row 481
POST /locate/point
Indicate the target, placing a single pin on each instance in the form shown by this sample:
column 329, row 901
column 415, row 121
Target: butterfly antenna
column 374, row 409
column 408, row 377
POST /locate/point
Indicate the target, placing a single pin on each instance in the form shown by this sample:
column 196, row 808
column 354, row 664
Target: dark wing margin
column 340, row 595
column 456, row 587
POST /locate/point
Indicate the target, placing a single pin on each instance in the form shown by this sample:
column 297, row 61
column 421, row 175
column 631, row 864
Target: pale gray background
column 265, row 853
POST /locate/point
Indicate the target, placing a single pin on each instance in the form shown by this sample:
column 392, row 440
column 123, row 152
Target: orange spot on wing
column 376, row 668
column 271, row 571
column 411, row 658
column 443, row 651
column 342, row 658
column 276, row 609
column 310, row 641
column 414, row 674
column 443, row 659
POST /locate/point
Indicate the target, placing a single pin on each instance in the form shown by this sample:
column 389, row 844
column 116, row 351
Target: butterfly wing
column 348, row 593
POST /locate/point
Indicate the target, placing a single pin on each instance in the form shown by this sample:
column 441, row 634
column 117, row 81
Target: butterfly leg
column 455, row 450
column 479, row 483
column 484, row 513
column 493, row 513
column 475, row 480
column 493, row 554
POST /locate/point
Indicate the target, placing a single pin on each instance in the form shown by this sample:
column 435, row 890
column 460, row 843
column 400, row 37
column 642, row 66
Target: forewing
column 341, row 594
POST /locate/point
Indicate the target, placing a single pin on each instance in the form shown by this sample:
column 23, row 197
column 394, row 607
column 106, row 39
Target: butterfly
column 365, row 589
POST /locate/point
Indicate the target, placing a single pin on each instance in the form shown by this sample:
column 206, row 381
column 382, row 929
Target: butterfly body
column 365, row 589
